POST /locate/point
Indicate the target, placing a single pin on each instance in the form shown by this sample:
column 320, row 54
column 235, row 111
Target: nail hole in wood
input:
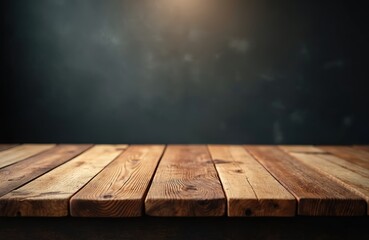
column 106, row 196
column 248, row 212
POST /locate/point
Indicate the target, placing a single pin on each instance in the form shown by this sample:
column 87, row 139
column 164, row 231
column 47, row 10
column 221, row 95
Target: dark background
column 184, row 71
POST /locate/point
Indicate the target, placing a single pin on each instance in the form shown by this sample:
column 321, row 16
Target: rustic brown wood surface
column 352, row 176
column 49, row 194
column 21, row 152
column 183, row 180
column 249, row 187
column 119, row 190
column 362, row 147
column 317, row 194
column 186, row 184
column 356, row 156
column 16, row 175
column 6, row 146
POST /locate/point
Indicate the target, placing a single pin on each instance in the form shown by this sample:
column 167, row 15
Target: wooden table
column 86, row 184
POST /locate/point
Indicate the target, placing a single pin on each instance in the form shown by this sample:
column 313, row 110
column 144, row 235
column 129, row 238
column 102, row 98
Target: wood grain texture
column 19, row 173
column 119, row 190
column 355, row 156
column 7, row 146
column 317, row 194
column 249, row 187
column 49, row 194
column 362, row 147
column 352, row 176
column 308, row 149
column 186, row 184
column 21, row 152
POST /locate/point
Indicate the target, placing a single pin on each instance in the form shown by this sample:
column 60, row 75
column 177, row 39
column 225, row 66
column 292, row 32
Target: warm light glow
column 185, row 8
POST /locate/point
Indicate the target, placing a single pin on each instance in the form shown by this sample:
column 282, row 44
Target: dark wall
column 179, row 71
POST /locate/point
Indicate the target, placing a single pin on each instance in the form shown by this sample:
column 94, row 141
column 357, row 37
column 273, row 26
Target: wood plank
column 7, row 146
column 49, row 194
column 249, row 187
column 19, row 173
column 352, row 176
column 317, row 194
column 351, row 154
column 306, row 149
column 362, row 147
column 119, row 190
column 21, row 152
column 186, row 184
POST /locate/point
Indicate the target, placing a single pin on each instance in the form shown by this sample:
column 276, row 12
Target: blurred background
column 184, row 71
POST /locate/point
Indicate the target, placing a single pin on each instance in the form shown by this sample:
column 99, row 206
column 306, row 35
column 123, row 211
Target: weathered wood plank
column 7, row 146
column 362, row 147
column 21, row 152
column 119, row 190
column 351, row 154
column 49, row 194
column 186, row 184
column 306, row 149
column 19, row 173
column 317, row 194
column 352, row 176
column 249, row 187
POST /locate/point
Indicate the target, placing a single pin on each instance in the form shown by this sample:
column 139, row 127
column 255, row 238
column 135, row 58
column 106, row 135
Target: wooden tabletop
column 86, row 180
